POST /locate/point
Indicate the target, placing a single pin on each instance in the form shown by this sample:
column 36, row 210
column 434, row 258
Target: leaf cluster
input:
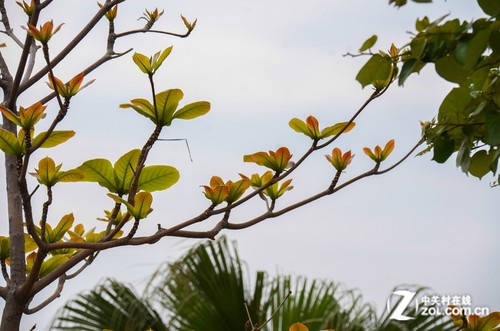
column 466, row 53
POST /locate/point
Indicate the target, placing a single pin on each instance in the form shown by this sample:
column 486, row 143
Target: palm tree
column 208, row 289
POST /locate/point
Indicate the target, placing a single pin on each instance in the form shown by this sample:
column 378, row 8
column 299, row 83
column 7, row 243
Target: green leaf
column 369, row 43
column 480, row 164
column 51, row 264
column 422, row 24
column 9, row 143
column 157, row 178
column 73, row 175
column 443, row 148
column 124, row 170
column 492, row 126
column 100, row 171
column 398, row 3
column 495, row 40
column 448, row 68
column 406, row 70
column 490, row 7
column 300, row 126
column 162, row 58
column 142, row 61
column 166, row 103
column 418, row 46
column 60, row 230
column 143, row 107
column 477, row 45
column 452, row 108
column 336, row 129
column 192, row 110
column 378, row 67
column 55, row 138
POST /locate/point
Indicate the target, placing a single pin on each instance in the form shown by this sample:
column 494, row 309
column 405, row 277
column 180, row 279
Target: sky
column 261, row 63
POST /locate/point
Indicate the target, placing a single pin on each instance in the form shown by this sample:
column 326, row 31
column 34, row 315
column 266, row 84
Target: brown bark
column 13, row 309
column 12, row 314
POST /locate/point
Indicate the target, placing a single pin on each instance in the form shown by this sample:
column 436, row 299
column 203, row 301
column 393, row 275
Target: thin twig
column 88, row 262
column 276, row 311
column 249, row 317
column 179, row 139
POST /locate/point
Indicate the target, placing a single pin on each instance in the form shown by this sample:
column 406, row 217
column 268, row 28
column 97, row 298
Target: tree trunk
column 12, row 314
column 13, row 310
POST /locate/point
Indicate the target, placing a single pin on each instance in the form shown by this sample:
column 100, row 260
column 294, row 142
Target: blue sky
column 261, row 63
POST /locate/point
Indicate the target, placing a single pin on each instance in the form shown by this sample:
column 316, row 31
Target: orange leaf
column 313, row 126
column 298, row 327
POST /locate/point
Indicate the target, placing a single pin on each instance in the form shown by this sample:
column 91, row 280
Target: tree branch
column 210, row 234
column 142, row 160
column 145, row 30
column 31, row 62
column 45, row 212
column 71, row 45
column 8, row 29
column 45, row 303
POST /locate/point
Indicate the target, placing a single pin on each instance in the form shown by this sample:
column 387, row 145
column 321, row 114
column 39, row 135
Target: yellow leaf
column 52, row 263
column 46, row 171
column 60, row 230
column 142, row 205
column 142, row 61
column 29, row 244
column 10, row 116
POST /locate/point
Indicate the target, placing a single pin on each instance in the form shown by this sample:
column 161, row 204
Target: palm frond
column 317, row 304
column 204, row 290
column 111, row 305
